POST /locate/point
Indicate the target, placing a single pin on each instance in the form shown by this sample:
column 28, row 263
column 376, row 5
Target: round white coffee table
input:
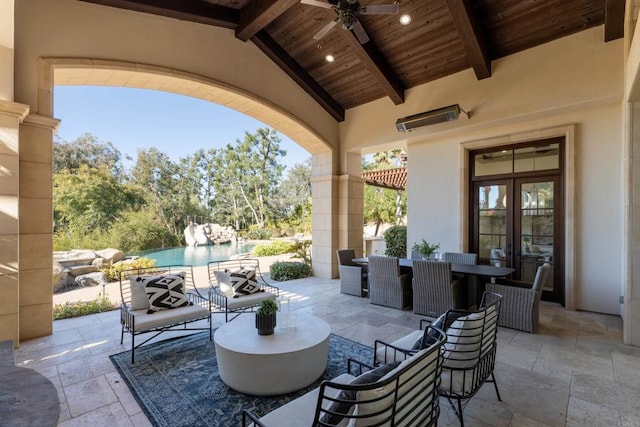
column 266, row 365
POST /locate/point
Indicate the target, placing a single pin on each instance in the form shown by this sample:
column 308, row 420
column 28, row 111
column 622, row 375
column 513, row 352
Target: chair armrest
column 247, row 415
column 378, row 344
column 360, row 365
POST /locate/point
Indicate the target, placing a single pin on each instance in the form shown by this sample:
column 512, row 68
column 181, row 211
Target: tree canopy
column 241, row 184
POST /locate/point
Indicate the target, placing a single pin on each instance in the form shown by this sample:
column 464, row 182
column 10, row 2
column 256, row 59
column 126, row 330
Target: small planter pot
column 265, row 323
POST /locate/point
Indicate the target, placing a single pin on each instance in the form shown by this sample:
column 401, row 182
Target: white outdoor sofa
column 136, row 317
column 225, row 302
column 399, row 394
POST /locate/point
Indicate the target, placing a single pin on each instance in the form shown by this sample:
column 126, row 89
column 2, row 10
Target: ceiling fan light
column 329, row 58
column 405, row 19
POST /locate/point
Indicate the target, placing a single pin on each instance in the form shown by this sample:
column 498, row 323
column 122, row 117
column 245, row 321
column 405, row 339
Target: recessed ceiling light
column 405, row 19
column 329, row 58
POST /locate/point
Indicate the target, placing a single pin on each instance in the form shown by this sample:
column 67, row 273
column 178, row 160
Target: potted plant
column 425, row 248
column 266, row 317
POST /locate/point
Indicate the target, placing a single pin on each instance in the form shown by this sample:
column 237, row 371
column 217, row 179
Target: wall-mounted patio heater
column 440, row 115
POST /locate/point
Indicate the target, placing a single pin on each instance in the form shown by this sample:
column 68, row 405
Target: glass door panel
column 492, row 210
column 537, row 228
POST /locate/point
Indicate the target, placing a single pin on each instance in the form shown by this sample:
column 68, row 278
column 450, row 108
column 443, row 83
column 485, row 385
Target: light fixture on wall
column 432, row 117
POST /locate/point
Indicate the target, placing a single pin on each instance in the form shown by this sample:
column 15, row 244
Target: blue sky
column 138, row 118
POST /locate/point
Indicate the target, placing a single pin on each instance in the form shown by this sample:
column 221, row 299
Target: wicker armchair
column 353, row 277
column 460, row 258
column 434, row 290
column 521, row 300
column 387, row 285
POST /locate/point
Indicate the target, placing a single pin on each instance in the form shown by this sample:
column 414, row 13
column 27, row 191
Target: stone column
column 36, row 226
column 11, row 114
column 324, row 190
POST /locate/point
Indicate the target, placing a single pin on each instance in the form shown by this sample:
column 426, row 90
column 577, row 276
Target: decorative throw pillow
column 243, row 286
column 165, row 292
column 430, row 336
column 224, row 283
column 139, row 300
column 343, row 408
column 247, row 273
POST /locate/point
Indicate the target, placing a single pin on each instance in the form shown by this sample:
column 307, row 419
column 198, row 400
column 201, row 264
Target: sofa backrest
column 405, row 396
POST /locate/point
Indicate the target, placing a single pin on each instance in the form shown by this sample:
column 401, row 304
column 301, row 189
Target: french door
column 517, row 223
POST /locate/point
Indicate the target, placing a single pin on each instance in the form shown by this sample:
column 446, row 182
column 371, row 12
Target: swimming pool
column 194, row 255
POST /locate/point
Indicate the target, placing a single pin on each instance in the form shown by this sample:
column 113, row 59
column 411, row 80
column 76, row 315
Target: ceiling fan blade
column 380, row 9
column 317, row 3
column 360, row 33
column 324, row 30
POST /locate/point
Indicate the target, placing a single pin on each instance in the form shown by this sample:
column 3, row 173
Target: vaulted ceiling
column 444, row 37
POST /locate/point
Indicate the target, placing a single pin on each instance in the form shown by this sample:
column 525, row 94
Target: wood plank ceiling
column 444, row 37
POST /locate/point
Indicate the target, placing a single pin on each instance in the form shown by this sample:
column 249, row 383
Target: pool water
column 194, row 255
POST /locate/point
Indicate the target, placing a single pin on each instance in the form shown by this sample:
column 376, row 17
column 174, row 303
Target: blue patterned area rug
column 176, row 382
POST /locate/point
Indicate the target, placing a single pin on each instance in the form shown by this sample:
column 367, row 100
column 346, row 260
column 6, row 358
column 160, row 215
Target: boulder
column 80, row 254
column 91, row 279
column 79, row 270
column 110, row 255
column 98, row 262
column 59, row 277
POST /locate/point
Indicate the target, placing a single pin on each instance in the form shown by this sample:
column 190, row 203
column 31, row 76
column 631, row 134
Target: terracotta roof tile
column 395, row 178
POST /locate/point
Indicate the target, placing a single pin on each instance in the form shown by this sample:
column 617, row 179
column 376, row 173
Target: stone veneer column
column 11, row 114
column 36, row 226
column 338, row 206
column 324, row 193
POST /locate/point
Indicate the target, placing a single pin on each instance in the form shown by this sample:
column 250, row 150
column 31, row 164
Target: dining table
column 480, row 272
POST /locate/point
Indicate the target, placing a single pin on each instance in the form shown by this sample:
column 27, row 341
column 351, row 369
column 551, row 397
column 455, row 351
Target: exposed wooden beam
column 378, row 67
column 613, row 19
column 258, row 14
column 466, row 22
column 298, row 74
column 202, row 12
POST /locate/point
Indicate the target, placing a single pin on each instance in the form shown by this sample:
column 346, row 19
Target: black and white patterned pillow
column 164, row 292
column 243, row 286
column 247, row 273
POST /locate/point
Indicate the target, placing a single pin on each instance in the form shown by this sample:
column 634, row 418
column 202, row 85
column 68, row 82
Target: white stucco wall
column 6, row 50
column 70, row 28
column 575, row 80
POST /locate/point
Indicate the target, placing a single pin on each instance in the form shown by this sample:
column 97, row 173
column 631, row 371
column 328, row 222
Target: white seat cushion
column 144, row 321
column 405, row 342
column 248, row 300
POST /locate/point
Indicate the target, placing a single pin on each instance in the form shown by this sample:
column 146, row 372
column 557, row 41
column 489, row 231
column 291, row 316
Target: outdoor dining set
column 430, row 287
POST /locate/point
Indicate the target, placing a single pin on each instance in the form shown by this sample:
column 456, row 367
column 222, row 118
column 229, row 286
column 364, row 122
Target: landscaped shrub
column 302, row 250
column 113, row 272
column 257, row 234
column 289, row 270
column 277, row 247
column 396, row 241
column 82, row 308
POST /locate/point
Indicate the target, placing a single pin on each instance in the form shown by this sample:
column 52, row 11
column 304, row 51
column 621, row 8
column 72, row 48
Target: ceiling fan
column 348, row 11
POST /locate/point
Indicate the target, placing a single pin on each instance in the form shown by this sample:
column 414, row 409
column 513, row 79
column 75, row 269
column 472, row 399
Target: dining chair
column 460, row 258
column 521, row 300
column 388, row 286
column 434, row 289
column 353, row 277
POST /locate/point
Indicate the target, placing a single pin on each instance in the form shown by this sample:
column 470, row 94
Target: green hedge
column 289, row 270
column 82, row 308
column 278, row 247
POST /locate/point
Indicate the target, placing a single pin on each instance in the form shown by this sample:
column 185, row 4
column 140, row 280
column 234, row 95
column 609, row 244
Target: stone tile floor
column 574, row 372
